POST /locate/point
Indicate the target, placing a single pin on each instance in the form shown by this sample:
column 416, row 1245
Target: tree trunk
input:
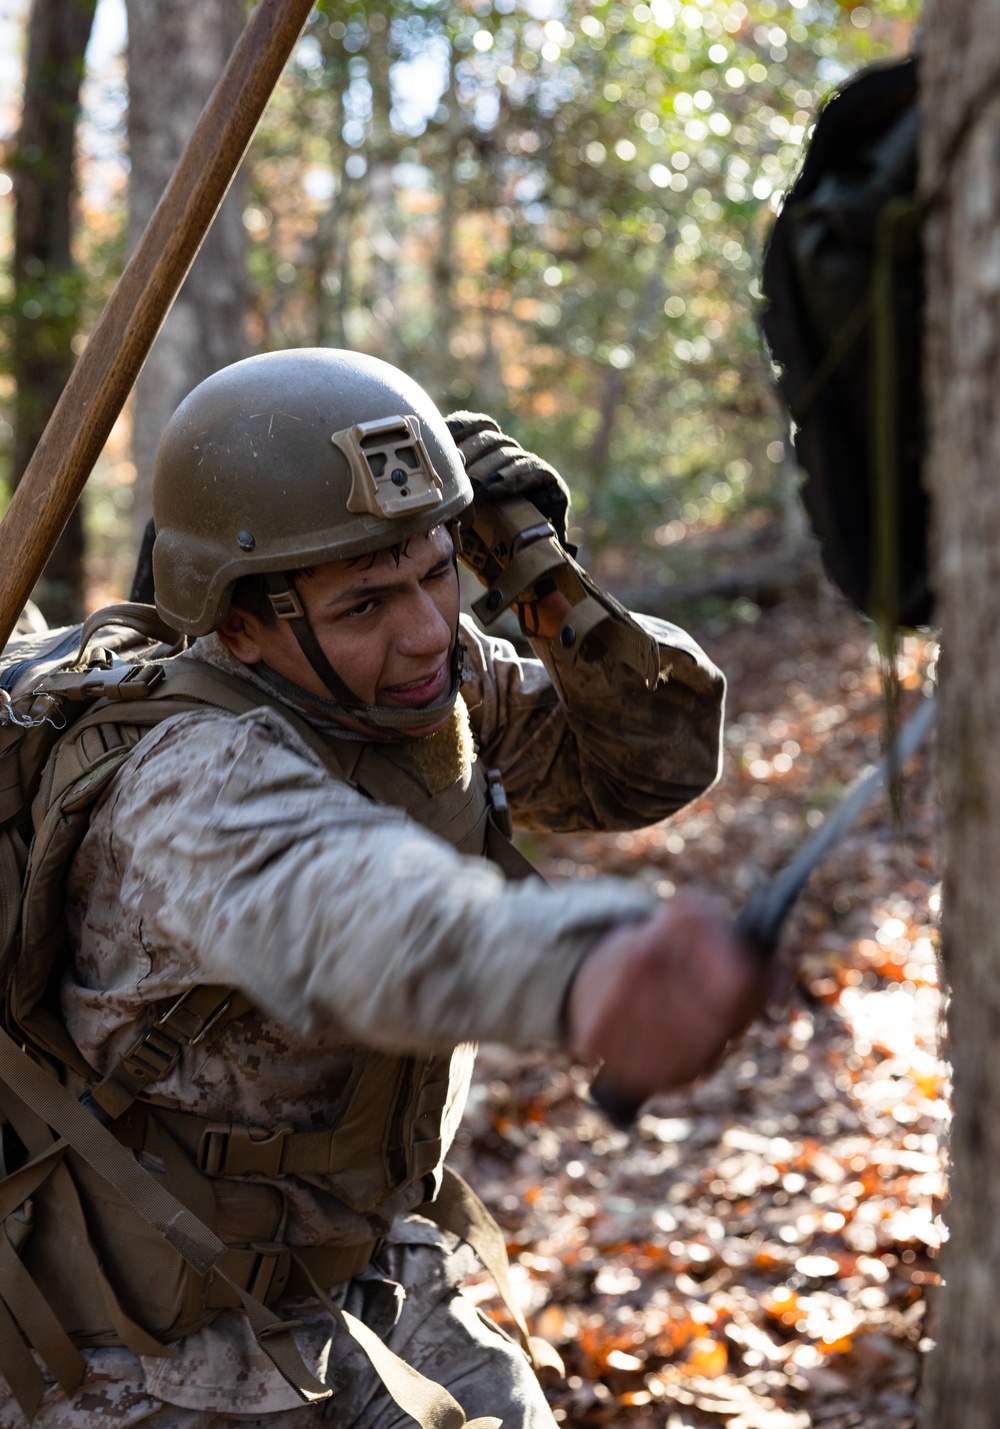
column 961, row 54
column 441, row 364
column 176, row 52
column 46, row 284
column 382, row 151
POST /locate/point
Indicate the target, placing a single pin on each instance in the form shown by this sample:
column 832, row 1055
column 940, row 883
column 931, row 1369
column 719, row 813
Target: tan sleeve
column 241, row 859
column 588, row 745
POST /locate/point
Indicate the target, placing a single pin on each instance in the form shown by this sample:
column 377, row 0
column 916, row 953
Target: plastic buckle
column 119, row 682
column 132, row 682
column 230, row 1149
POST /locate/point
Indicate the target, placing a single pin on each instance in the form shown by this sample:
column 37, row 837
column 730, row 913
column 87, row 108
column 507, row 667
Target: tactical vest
column 92, row 1270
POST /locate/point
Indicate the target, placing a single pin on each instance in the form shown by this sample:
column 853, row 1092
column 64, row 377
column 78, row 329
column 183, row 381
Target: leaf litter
column 758, row 1252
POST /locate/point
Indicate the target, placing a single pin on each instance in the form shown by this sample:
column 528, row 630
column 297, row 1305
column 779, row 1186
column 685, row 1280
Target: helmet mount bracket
column 392, row 474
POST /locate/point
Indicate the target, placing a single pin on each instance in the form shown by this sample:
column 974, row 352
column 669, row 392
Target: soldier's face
column 387, row 627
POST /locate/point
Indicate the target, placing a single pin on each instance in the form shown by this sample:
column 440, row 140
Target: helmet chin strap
column 383, row 719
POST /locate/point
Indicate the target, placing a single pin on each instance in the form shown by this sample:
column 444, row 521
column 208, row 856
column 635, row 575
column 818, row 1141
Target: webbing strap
column 428, row 1403
column 217, row 688
column 200, row 1247
column 32, row 1131
column 457, row 1208
column 17, row 1366
column 45, row 1096
column 524, row 568
column 507, row 856
column 16, row 1188
column 526, row 554
column 36, row 1318
column 16, row 1363
column 143, row 619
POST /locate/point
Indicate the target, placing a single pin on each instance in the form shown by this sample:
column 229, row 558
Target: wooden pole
column 103, row 377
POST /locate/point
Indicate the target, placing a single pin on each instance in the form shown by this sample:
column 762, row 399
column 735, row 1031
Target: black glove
column 499, row 469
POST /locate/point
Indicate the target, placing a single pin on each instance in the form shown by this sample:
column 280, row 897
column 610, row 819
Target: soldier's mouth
column 419, row 692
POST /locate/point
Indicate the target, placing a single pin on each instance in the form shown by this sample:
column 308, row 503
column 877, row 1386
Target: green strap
column 428, row 1403
column 457, row 1208
column 143, row 619
column 200, row 1247
column 217, row 688
column 36, row 1318
column 18, row 1368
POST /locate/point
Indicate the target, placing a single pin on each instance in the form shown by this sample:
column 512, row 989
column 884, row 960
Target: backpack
column 844, row 290
column 48, row 678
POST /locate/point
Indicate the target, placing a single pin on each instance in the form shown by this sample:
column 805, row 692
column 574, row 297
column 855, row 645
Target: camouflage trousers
column 437, row 1330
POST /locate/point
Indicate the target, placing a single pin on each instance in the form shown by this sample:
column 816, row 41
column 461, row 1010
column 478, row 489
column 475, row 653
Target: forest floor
column 758, row 1252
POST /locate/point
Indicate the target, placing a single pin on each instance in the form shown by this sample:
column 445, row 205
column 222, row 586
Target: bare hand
column 658, row 1001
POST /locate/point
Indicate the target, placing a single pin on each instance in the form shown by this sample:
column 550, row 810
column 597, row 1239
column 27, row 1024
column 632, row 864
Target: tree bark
column 961, row 55
column 441, row 363
column 46, row 283
column 176, row 52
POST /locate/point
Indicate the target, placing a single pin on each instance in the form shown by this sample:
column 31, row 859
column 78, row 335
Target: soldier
column 304, row 870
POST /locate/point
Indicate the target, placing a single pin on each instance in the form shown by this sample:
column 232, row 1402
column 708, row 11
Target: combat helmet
column 293, row 459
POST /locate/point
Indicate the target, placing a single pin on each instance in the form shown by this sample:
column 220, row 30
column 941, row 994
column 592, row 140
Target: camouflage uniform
column 225, row 853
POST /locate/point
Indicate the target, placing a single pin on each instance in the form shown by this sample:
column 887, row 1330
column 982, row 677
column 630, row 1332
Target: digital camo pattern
column 224, row 853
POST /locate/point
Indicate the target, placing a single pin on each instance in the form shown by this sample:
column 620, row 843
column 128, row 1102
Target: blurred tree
column 558, row 219
column 561, row 221
column 176, row 52
column 960, row 65
column 46, row 281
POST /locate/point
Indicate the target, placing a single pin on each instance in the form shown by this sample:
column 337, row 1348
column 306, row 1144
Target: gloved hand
column 500, row 469
column 514, row 538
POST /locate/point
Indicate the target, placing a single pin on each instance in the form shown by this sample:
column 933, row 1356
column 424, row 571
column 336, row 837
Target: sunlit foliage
column 555, row 210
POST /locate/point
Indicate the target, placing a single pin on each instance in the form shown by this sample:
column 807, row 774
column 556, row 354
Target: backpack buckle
column 120, row 682
column 227, row 1148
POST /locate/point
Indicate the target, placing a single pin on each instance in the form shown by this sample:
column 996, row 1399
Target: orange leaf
column 550, row 1323
column 842, row 1346
column 707, row 1358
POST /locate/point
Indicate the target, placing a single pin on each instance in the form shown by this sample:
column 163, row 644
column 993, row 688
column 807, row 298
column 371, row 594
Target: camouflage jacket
column 225, row 853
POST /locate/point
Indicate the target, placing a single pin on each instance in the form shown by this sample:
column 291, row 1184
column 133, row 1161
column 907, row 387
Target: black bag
column 845, row 328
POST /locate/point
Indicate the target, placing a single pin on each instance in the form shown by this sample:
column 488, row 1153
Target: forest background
column 556, row 212
column 551, row 211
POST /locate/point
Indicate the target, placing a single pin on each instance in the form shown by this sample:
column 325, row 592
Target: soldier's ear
column 239, row 633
